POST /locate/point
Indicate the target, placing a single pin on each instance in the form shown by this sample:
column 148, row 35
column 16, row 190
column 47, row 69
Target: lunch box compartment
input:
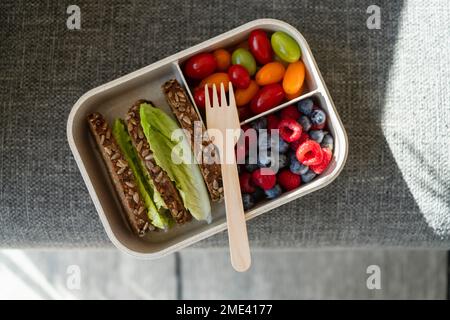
column 113, row 99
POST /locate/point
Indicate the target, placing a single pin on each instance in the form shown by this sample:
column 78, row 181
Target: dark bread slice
column 161, row 181
column 189, row 120
column 121, row 175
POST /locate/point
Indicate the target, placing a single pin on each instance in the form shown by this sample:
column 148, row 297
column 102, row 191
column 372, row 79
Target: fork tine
column 231, row 101
column 215, row 103
column 223, row 97
column 207, row 101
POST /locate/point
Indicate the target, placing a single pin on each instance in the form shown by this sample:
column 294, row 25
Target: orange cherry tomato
column 296, row 94
column 223, row 59
column 294, row 77
column 217, row 79
column 244, row 96
column 270, row 73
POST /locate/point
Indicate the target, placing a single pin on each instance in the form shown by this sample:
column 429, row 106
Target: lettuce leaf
column 158, row 219
column 180, row 165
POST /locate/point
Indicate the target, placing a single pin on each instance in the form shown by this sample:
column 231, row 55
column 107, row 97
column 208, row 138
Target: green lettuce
column 148, row 193
column 180, row 165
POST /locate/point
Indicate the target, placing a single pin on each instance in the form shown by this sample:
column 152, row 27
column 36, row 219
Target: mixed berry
column 302, row 147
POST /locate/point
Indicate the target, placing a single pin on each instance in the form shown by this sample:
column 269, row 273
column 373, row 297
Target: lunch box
column 113, row 100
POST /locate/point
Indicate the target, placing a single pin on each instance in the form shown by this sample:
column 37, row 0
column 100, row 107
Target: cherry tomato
column 272, row 72
column 296, row 94
column 223, row 59
column 239, row 76
column 217, row 79
column 244, row 96
column 244, row 113
column 244, row 58
column 199, row 97
column 260, row 47
column 285, row 47
column 200, row 66
column 294, row 77
column 267, row 98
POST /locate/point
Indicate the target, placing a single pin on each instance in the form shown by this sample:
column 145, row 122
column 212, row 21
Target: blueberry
column 308, row 176
column 305, row 122
column 274, row 192
column 264, row 159
column 305, row 106
column 263, row 140
column 250, row 167
column 318, row 117
column 260, row 123
column 258, row 194
column 282, row 146
column 247, row 201
column 297, row 168
column 317, row 135
column 327, row 141
column 283, row 160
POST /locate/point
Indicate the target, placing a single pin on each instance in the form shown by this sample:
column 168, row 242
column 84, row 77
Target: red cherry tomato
column 267, row 98
column 199, row 97
column 260, row 47
column 244, row 113
column 200, row 66
column 239, row 76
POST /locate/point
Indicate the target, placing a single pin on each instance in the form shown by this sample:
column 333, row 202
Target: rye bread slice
column 189, row 120
column 161, row 181
column 121, row 175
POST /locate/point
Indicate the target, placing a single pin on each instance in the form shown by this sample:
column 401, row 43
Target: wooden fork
column 224, row 117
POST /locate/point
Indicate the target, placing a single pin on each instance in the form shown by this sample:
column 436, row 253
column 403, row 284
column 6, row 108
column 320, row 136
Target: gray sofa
column 390, row 85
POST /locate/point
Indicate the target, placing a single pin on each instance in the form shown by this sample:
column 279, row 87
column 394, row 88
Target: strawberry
column 288, row 180
column 319, row 168
column 309, row 153
column 265, row 181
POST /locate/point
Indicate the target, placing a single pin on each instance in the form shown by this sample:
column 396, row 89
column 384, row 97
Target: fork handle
column 237, row 229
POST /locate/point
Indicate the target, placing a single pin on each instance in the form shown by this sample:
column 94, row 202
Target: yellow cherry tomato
column 244, row 96
column 217, row 79
column 294, row 77
column 271, row 72
column 223, row 59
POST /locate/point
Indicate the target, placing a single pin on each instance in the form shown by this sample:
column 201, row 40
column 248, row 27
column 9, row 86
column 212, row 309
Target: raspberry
column 319, row 168
column 309, row 153
column 290, row 112
column 265, row 181
column 288, row 180
column 295, row 144
column 246, row 183
column 290, row 130
column 272, row 122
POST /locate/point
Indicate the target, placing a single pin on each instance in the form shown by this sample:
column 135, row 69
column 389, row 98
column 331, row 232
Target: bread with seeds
column 121, row 175
column 205, row 152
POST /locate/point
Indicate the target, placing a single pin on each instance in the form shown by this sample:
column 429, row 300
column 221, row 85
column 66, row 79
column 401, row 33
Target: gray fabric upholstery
column 394, row 103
